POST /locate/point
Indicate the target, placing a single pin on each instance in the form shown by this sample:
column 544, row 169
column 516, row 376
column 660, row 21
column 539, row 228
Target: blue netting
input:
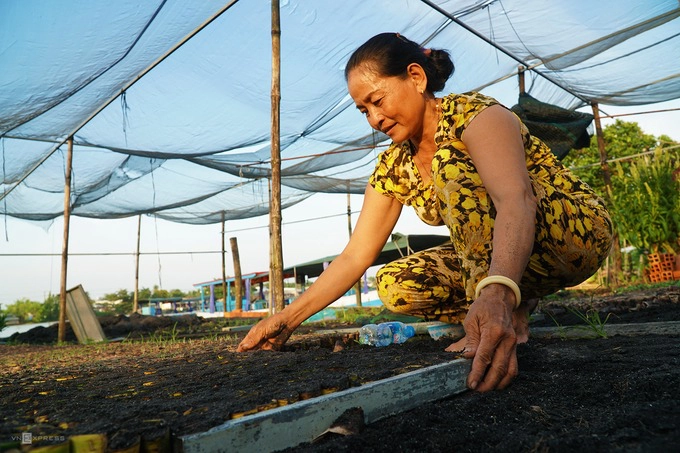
column 188, row 137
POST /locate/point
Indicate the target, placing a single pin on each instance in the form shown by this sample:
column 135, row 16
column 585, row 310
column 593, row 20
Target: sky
column 315, row 228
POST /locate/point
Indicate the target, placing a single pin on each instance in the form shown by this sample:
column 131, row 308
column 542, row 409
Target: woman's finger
column 502, row 368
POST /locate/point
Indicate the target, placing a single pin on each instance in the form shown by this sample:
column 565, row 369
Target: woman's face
column 392, row 105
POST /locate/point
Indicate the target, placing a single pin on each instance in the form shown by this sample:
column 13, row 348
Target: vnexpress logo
column 26, row 438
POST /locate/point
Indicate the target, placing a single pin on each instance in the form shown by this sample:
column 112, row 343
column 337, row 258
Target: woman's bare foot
column 458, row 346
column 520, row 320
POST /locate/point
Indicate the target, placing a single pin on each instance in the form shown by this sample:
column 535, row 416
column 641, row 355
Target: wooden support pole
column 61, row 332
column 601, row 146
column 615, row 252
column 276, row 264
column 357, row 285
column 270, row 303
column 520, row 74
column 135, row 299
column 238, row 277
column 224, row 266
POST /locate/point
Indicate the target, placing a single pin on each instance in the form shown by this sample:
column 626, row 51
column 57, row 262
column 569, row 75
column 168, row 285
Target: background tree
column 122, row 295
column 177, row 293
column 50, row 309
column 621, row 139
column 645, row 201
column 144, row 294
column 631, row 203
column 125, row 307
column 26, row 310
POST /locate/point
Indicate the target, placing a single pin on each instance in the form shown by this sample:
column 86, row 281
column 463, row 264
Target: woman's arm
column 495, row 145
column 379, row 215
column 494, row 142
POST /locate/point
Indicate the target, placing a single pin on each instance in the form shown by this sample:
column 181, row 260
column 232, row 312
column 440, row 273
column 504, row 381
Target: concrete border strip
column 289, row 426
column 456, row 331
column 585, row 331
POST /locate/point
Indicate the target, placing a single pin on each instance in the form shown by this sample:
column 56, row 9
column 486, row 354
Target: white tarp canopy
column 168, row 101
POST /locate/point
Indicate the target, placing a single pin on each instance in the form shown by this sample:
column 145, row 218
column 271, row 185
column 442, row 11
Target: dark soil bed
column 616, row 394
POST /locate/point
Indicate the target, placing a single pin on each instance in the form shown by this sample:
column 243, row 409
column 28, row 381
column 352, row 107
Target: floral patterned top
column 396, row 173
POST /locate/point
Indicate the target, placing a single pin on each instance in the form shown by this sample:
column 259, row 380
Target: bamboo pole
column 135, row 299
column 61, row 332
column 269, row 277
column 276, row 264
column 615, row 252
column 224, row 266
column 357, row 285
column 601, row 147
column 238, row 276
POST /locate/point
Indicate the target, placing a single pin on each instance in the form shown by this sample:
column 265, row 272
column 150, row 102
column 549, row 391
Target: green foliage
column 50, row 309
column 645, row 201
column 162, row 337
column 561, row 331
column 592, row 319
column 359, row 315
column 177, row 293
column 160, row 293
column 3, row 320
column 144, row 293
column 646, row 286
column 121, row 294
column 621, row 139
column 127, row 297
column 30, row 311
column 644, row 196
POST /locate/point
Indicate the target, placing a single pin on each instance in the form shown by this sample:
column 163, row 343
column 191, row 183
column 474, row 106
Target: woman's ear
column 417, row 74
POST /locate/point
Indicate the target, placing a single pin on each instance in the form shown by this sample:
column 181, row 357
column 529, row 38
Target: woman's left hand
column 490, row 340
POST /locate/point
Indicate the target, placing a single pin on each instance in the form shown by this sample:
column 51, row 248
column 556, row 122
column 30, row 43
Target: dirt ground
column 621, row 393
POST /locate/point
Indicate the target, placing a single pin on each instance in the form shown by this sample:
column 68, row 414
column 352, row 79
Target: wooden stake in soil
column 224, row 268
column 135, row 300
column 276, row 265
column 238, row 277
column 601, row 147
column 606, row 175
column 357, row 285
column 61, row 333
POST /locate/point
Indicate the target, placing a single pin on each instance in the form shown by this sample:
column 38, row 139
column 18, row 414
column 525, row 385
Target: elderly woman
column 521, row 224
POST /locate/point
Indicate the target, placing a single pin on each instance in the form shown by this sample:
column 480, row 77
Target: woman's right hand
column 378, row 217
column 271, row 333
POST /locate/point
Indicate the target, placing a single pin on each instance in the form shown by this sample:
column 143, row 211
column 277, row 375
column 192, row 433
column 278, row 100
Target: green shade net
column 561, row 129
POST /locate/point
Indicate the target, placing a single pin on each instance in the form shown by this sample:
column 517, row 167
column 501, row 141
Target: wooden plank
column 81, row 316
column 303, row 421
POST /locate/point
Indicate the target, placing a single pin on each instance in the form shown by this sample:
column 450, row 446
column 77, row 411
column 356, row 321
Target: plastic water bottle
column 400, row 331
column 375, row 335
column 385, row 333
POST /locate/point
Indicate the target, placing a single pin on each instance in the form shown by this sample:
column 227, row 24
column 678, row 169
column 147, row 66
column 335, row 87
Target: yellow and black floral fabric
column 573, row 227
